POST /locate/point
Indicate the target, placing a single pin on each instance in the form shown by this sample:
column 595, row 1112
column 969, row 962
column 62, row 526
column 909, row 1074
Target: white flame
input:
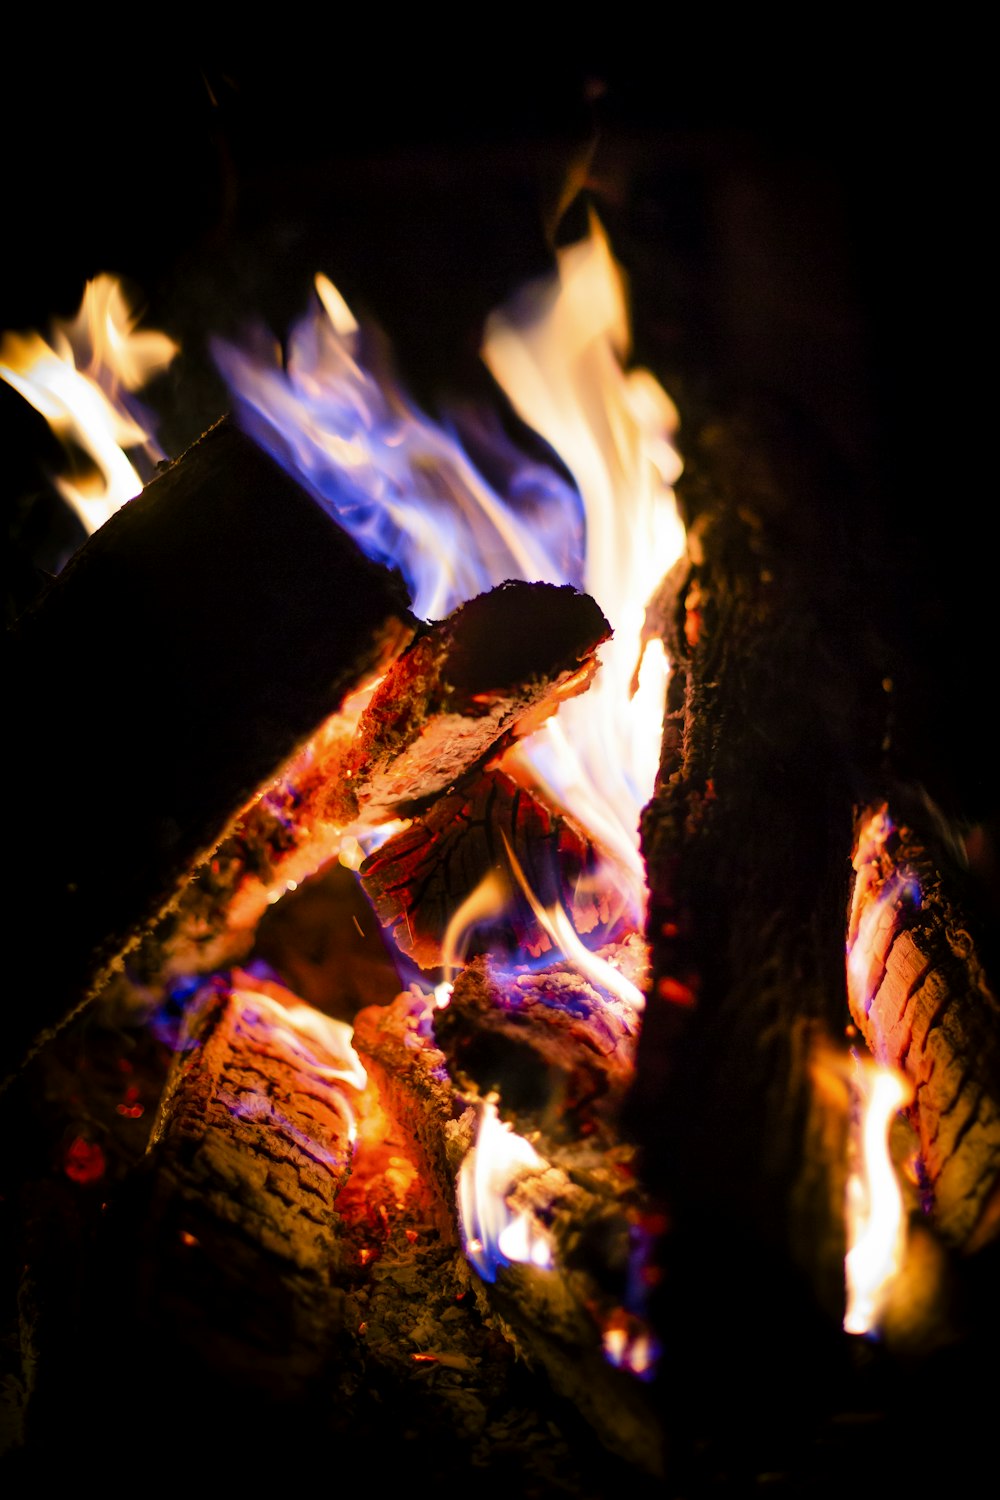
column 493, row 1234
column 876, row 1222
column 559, row 354
column 77, row 382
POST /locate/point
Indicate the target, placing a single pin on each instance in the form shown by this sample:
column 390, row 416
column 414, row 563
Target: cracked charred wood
column 775, row 735
column 158, row 683
column 558, row 1050
column 494, row 670
column 419, row 878
column 586, row 1201
column 921, row 998
column 228, row 1239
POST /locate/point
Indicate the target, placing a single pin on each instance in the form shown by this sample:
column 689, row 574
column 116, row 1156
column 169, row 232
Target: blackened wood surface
column 493, row 670
column 777, row 729
column 165, row 674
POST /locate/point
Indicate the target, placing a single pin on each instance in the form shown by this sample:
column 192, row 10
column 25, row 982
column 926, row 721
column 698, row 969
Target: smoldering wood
column 590, row 1200
column 466, row 686
column 778, row 719
column 420, row 877
column 923, row 1002
column 113, row 1316
column 492, row 671
column 161, row 679
column 558, row 1051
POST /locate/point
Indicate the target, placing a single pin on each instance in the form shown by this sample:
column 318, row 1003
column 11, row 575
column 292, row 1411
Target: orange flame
column 77, row 383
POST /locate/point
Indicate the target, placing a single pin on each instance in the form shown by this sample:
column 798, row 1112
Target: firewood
column 161, row 679
column 252, row 1144
column 588, row 1196
column 464, row 689
column 777, row 726
column 419, row 877
column 921, row 999
column 492, row 671
column 559, row 1051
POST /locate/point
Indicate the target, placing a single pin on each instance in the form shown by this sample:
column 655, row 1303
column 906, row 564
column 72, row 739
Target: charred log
column 568, row 1321
column 420, row 877
column 921, row 999
column 467, row 685
column 559, row 1051
column 493, row 671
column 159, row 682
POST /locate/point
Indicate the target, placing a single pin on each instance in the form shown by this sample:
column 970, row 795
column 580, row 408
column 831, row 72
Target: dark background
column 802, row 219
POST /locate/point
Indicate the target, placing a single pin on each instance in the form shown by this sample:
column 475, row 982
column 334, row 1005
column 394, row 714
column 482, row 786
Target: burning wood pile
column 560, row 1191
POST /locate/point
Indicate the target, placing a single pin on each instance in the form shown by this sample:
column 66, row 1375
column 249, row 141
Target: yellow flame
column 559, row 354
column 76, row 383
column 487, row 900
column 876, row 1223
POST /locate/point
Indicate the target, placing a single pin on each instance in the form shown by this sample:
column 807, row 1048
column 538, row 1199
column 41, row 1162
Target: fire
column 487, row 900
column 876, row 1222
column 409, row 490
column 494, row 1236
column 80, row 383
column 564, row 935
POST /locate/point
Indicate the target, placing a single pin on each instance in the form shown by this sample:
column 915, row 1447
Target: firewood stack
column 277, row 1228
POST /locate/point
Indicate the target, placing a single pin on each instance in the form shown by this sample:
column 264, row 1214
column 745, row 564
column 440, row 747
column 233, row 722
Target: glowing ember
column 875, row 1216
column 493, row 1235
column 79, row 381
column 874, row 918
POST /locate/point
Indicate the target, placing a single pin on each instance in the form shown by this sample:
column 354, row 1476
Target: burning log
column 252, row 1144
column 160, row 681
column 466, row 687
column 493, row 671
column 775, row 734
column 420, row 877
column 921, row 999
column 558, row 1050
column 573, row 1316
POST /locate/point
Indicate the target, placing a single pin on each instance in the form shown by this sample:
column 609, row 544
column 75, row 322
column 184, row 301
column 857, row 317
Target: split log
column 557, row 1050
column 419, row 878
column 462, row 690
column 775, row 735
column 493, row 671
column 587, row 1198
column 921, row 999
column 160, row 681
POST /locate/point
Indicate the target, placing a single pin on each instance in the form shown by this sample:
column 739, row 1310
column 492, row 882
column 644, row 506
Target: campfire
column 504, row 1008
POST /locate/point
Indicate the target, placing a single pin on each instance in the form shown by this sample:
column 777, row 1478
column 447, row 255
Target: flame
column 295, row 1023
column 411, row 493
column 559, row 354
column 494, row 1236
column 876, row 1223
column 78, row 383
column 487, row 900
column 560, row 929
